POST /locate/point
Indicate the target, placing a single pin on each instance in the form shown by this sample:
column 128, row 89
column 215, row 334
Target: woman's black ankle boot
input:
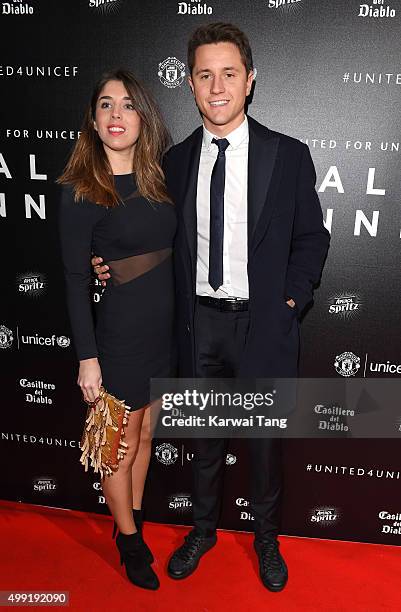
column 138, row 520
column 137, row 566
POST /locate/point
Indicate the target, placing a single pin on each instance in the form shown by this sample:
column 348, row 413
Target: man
column 250, row 246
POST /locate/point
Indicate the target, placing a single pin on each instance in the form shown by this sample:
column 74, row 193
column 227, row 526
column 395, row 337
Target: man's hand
column 99, row 270
column 291, row 303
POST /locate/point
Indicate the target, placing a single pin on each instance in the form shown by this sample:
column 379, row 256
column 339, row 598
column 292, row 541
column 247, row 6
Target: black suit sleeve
column 76, row 225
column 310, row 239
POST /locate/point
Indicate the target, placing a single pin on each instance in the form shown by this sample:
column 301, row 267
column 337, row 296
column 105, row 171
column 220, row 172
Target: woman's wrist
column 90, row 360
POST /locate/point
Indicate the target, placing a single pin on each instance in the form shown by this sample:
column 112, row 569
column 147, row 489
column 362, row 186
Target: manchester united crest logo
column 6, row 337
column 347, row 364
column 171, row 72
column 166, row 453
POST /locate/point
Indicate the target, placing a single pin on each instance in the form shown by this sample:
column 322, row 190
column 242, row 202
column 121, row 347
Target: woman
column 115, row 203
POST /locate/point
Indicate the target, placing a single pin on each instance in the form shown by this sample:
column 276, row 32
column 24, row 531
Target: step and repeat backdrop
column 328, row 73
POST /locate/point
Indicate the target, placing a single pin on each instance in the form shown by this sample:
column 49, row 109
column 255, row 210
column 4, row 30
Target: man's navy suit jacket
column 287, row 246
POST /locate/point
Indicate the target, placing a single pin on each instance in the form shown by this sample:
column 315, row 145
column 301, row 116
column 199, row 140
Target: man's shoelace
column 271, row 557
column 187, row 550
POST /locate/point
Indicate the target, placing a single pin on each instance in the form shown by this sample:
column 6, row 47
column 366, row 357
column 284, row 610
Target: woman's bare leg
column 141, row 463
column 117, row 488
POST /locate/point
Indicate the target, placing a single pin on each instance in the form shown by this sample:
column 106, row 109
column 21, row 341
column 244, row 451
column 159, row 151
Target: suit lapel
column 189, row 199
column 264, row 172
column 262, row 168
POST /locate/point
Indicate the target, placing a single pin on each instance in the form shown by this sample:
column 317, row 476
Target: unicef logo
column 63, row 341
column 231, row 459
column 166, row 453
column 347, row 364
column 6, row 337
column 171, row 72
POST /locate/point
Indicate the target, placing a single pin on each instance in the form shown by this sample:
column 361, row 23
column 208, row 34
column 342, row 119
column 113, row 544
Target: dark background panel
column 303, row 52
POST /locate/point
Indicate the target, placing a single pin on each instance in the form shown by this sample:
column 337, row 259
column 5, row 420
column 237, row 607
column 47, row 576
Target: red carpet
column 47, row 549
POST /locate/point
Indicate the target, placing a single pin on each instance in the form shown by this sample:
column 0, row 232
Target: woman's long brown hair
column 88, row 169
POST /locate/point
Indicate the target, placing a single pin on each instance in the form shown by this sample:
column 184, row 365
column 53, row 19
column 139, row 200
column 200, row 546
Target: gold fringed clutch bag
column 102, row 440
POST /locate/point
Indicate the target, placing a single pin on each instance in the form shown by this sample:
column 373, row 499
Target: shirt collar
column 236, row 138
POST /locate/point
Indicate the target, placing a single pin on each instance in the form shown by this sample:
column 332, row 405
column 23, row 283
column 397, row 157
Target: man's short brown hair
column 216, row 33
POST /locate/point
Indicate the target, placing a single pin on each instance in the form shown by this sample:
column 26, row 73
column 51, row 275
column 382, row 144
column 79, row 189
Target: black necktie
column 217, row 215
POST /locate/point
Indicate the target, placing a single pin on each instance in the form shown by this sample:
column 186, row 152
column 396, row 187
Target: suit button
column 188, row 328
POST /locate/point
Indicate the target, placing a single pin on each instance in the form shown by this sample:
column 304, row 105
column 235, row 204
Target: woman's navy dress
column 132, row 332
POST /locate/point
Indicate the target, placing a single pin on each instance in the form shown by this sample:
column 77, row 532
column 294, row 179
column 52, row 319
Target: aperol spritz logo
column 105, row 6
column 324, row 516
column 284, row 5
column 345, row 305
column 32, row 284
column 180, row 503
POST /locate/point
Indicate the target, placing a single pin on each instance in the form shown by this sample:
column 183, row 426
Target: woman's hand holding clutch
column 90, row 378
